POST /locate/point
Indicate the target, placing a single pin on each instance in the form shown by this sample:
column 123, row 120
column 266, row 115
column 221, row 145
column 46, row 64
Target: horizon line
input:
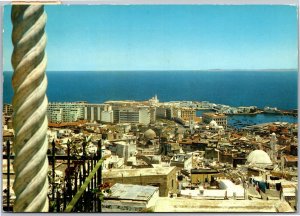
column 171, row 70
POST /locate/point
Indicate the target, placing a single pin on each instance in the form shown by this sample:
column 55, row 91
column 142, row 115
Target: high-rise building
column 144, row 115
column 161, row 112
column 173, row 112
column 107, row 115
column 129, row 115
column 116, row 115
column 65, row 112
column 152, row 114
column 55, row 115
column 92, row 112
column 135, row 115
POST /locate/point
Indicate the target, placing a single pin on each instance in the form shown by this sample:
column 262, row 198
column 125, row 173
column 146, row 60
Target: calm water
column 238, row 88
column 259, row 119
column 239, row 121
column 245, row 88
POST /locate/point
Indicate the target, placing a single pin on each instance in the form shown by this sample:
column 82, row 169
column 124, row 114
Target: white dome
column 150, row 134
column 259, row 158
column 213, row 124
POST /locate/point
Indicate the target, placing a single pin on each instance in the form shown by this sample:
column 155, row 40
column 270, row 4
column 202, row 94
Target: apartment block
column 92, row 112
column 65, row 112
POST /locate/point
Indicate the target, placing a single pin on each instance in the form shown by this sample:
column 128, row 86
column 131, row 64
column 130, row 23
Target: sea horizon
column 233, row 88
column 176, row 70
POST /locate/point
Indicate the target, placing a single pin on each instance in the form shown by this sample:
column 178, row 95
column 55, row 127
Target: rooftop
column 192, row 205
column 259, row 158
column 132, row 192
column 66, row 124
column 118, row 173
column 201, row 171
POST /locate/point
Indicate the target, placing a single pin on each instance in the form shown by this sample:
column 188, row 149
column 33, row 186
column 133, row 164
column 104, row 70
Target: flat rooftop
column 166, row 204
column 132, row 192
column 119, row 173
column 203, row 171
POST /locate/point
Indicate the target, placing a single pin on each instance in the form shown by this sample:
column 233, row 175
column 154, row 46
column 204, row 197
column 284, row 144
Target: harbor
column 244, row 119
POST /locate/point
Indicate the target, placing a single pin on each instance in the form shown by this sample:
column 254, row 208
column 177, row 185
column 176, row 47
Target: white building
column 125, row 148
column 92, row 112
column 107, row 116
column 65, row 112
column 182, row 160
column 135, row 115
column 232, row 191
column 56, row 115
column 144, row 115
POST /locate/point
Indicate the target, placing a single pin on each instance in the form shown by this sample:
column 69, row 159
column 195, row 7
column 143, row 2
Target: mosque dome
column 150, row 134
column 213, row 124
column 259, row 158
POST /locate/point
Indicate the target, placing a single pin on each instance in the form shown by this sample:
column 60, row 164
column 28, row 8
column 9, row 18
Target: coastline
column 267, row 113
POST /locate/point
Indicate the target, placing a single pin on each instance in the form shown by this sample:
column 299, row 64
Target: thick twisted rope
column 30, row 105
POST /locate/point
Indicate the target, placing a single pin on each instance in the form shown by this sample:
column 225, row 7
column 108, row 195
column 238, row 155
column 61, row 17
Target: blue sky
column 165, row 37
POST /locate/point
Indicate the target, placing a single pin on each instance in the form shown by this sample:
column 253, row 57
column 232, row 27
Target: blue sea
column 234, row 88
